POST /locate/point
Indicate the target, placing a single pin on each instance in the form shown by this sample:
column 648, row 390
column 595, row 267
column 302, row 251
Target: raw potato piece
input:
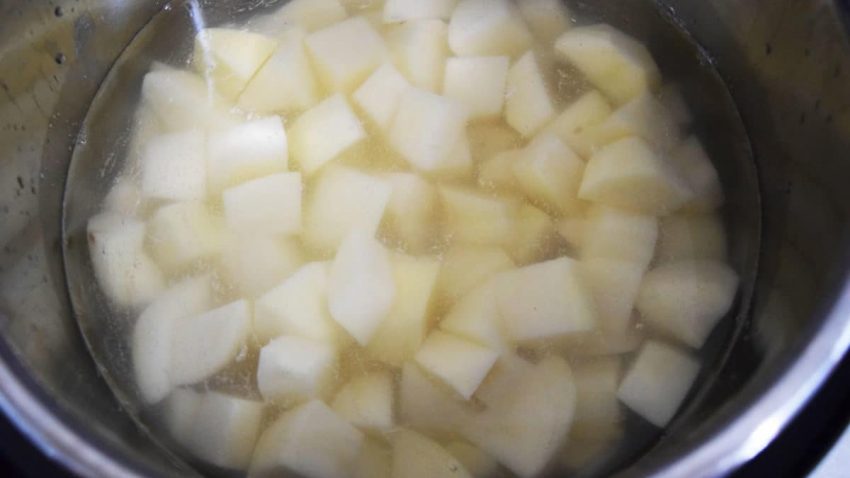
column 478, row 83
column 380, row 94
column 415, row 456
column 406, row 10
column 465, row 267
column 367, row 401
column 269, row 205
column 174, row 167
column 614, row 285
column 528, row 106
column 686, row 237
column 312, row 14
column 180, row 100
column 476, row 462
column 310, row 440
column 293, row 368
column 124, row 197
column 610, row 233
column 615, row 63
column 574, row 125
column 419, row 49
column 230, row 58
column 412, row 209
column 361, row 289
column 476, row 317
column 549, row 172
column 224, row 430
column 596, row 386
column 203, row 344
column 346, row 53
column 322, row 133
column 658, row 381
column 427, row 128
column 488, row 27
column 476, row 218
column 252, row 264
column 572, row 230
column 693, row 163
column 179, row 411
column 497, row 173
column 182, row 233
column 535, row 232
column 458, row 165
column 486, row 140
column 429, row 406
column 547, row 19
column 246, row 151
column 645, row 117
column 687, row 299
column 458, row 362
column 630, row 175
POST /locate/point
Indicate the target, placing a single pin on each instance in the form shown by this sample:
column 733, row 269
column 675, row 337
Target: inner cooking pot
column 765, row 79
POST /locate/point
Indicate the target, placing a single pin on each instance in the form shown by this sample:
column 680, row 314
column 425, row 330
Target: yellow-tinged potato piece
column 311, row 14
column 535, row 233
column 324, row 132
column 380, row 94
column 476, row 218
column 412, row 210
column 546, row 19
column 178, row 100
column 611, row 233
column 374, row 460
column 571, row 230
column 405, row 10
column 693, row 164
column 460, row 363
column 252, row 264
column 430, row 406
column 488, row 27
column 550, row 173
column 486, row 139
column 246, row 151
column 691, row 236
column 596, row 391
column 427, row 129
column 476, row 462
column 174, row 167
column 528, row 104
column 293, row 369
column 367, row 401
column 419, row 49
column 269, row 205
column 645, row 117
column 466, row 267
column 416, row 456
column 476, row 317
column 230, row 58
column 614, row 285
column 497, row 173
column 575, row 123
column 185, row 232
column 478, row 83
column 344, row 54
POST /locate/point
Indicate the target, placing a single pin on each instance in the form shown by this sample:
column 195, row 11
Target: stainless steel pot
column 786, row 64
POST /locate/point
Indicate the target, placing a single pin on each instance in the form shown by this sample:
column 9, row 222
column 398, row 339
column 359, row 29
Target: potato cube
column 546, row 19
column 292, row 369
column 416, row 456
column 458, row 164
column 614, row 62
column 610, row 233
column 687, row 299
column 180, row 100
column 478, row 83
column 367, row 401
column 488, row 27
column 405, row 10
column 596, row 391
column 430, row 406
column 183, row 233
column 476, row 317
column 311, row 14
column 497, row 173
column 310, row 440
column 174, row 167
column 643, row 116
column 204, row 344
column 344, row 54
column 269, row 205
column 124, row 197
column 361, row 289
column 427, row 129
column 323, row 133
column 411, row 210
column 230, row 58
column 550, row 173
column 658, row 381
column 467, row 267
column 535, row 235
column 224, row 430
column 685, row 237
column 614, row 285
column 380, row 95
column 246, row 151
column 528, row 106
column 630, row 175
column 252, row 264
column 374, row 461
column 458, row 362
column 546, row 300
column 576, row 123
column 476, row 218
column 179, row 411
column 694, row 165
column 420, row 48
column 476, row 462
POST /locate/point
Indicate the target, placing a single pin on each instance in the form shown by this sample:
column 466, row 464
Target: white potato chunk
column 614, row 285
column 476, row 317
column 547, row 19
column 550, row 173
column 658, row 381
column 467, row 267
column 478, row 83
column 224, row 430
column 575, row 124
column 402, row 331
column 269, row 205
column 344, row 54
column 687, row 299
column 460, row 363
column 693, row 163
column 419, row 48
column 643, row 116
column 367, row 401
column 323, row 133
column 405, row 10
column 488, row 27
column 416, row 456
column 179, row 411
column 478, row 218
column 310, row 440
column 427, row 128
column 312, row 14
column 380, row 94
column 497, row 173
column 630, row 175
column 610, row 233
column 230, row 57
column 596, row 391
column 124, row 197
column 152, row 334
column 476, row 462
column 361, row 289
column 246, row 151
column 458, row 164
column 691, row 236
column 124, row 272
column 183, row 233
column 343, row 199
column 180, row 100
column 286, row 82
column 252, row 264
column 174, row 167
column 298, row 306
column 535, row 234
column 614, row 62
column 528, row 106
column 294, row 368
column 204, row 344
column 374, row 461
column 412, row 210
column 546, row 300
column 430, row 406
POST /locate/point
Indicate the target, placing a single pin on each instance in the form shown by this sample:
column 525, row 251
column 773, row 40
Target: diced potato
column 458, row 164
column 269, row 205
column 179, row 411
column 572, row 230
column 429, row 406
column 343, row 199
column 498, row 172
column 310, row 440
column 361, row 289
column 528, row 106
column 576, row 123
column 346, row 53
column 476, row 218
column 685, row 236
column 204, row 344
column 488, row 27
column 124, row 272
column 630, row 175
column 610, row 233
column 230, row 58
column 402, row 331
column 298, row 306
column 658, row 381
column 246, row 151
column 374, row 461
column 124, row 197
column 312, row 14
column 550, row 173
column 367, row 401
column 643, row 116
column 380, row 94
column 694, row 165
column 183, row 233
column 614, row 62
column 614, row 285
column 546, row 300
column 412, row 209
column 546, row 19
column 458, row 362
column 406, row 10
column 420, row 48
column 476, row 462
column 293, row 368
column 174, row 167
column 596, row 391
column 478, row 83
column 535, row 232
column 476, row 317
column 490, row 138
column 466, row 267
column 252, row 264
column 153, row 330
column 322, row 133
column 286, row 82
column 427, row 128
column 687, row 299
column 416, row 456
column 181, row 100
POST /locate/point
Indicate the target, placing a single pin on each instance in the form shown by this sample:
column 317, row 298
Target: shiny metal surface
column 785, row 63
